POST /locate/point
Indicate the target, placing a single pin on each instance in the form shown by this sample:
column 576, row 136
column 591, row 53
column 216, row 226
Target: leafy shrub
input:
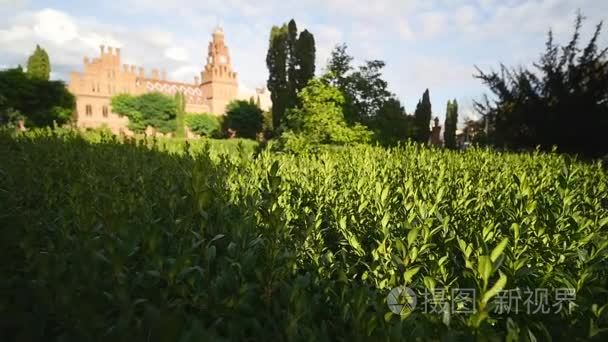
column 152, row 109
column 208, row 125
column 320, row 120
column 123, row 241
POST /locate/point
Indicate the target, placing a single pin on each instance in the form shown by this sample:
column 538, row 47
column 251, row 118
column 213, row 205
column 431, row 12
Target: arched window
column 88, row 110
column 104, row 111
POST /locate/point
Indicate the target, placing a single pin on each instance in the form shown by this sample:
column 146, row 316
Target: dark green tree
column 38, row 64
column 562, row 101
column 422, row 118
column 305, row 59
column 243, row 117
column 370, row 90
column 292, row 64
column 392, row 124
column 449, row 128
column 364, row 89
column 40, row 101
column 276, row 61
column 339, row 67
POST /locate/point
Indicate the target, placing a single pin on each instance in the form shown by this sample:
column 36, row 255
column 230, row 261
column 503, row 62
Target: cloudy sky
column 431, row 44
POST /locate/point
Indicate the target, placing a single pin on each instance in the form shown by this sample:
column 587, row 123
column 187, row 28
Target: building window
column 104, row 111
column 88, row 110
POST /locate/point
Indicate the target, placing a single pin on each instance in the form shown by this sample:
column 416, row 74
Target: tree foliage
column 152, row 109
column 320, row 119
column 392, row 124
column 244, row 117
column 38, row 64
column 305, row 59
column 204, row 124
column 451, row 121
column 367, row 99
column 562, row 101
column 290, row 61
column 40, row 101
column 276, row 61
column 422, row 118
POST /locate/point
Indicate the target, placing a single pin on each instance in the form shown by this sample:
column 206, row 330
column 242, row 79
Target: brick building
column 105, row 77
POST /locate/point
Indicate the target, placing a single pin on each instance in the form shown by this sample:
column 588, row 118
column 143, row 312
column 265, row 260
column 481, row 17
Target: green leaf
column 412, row 235
column 484, row 267
column 497, row 251
column 410, row 273
column 498, row 286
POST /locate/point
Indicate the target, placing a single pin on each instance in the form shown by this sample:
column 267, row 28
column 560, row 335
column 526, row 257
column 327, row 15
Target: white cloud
column 55, row 26
column 185, row 73
column 433, row 23
column 177, row 53
column 405, row 31
column 464, row 16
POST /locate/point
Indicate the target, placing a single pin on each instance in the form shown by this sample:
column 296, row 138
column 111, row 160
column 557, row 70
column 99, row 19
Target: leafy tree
column 339, row 68
column 244, row 117
column 392, row 123
column 370, row 90
column 276, row 61
column 204, row 124
column 451, row 120
column 561, row 101
column 364, row 89
column 422, row 118
column 40, row 101
column 152, row 109
column 320, row 119
column 305, row 59
column 38, row 64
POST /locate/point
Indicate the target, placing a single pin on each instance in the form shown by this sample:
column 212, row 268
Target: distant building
column 104, row 78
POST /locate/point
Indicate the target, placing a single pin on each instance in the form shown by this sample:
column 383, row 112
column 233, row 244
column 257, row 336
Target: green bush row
column 123, row 241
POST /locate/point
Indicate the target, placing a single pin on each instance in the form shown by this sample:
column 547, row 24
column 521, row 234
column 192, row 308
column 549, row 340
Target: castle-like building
column 104, row 77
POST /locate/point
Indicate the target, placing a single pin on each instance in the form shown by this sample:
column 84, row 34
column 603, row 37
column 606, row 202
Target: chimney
column 110, row 50
column 86, row 60
column 141, row 72
column 118, row 52
column 125, row 68
column 102, row 48
column 196, row 80
column 155, row 74
column 133, row 69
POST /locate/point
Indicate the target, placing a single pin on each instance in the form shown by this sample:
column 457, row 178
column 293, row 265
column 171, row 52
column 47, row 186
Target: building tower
column 219, row 84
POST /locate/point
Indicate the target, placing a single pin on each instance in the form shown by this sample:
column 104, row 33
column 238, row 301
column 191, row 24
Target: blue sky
column 431, row 44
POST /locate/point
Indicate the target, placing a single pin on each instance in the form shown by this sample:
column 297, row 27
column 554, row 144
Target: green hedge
column 109, row 241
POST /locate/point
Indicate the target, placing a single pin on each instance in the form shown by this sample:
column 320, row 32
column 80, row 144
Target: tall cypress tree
column 291, row 64
column 422, row 118
column 451, row 120
column 276, row 60
column 38, row 64
column 305, row 58
column 292, row 69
